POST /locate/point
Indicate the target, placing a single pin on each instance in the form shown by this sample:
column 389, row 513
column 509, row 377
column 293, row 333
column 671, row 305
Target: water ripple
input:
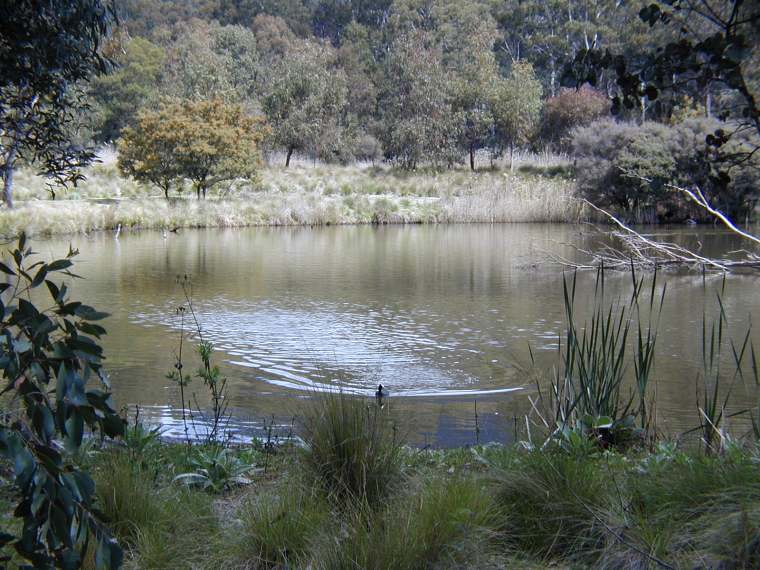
column 317, row 346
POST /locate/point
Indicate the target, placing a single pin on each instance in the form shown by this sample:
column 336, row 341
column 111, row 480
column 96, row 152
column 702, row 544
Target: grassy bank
column 303, row 194
column 353, row 497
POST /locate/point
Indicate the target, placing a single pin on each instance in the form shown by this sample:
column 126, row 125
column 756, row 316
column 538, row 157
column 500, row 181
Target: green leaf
column 5, row 269
column 108, row 554
column 74, row 431
column 89, row 314
column 40, row 277
column 55, row 292
column 59, row 264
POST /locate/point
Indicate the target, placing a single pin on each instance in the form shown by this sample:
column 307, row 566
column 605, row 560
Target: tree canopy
column 45, row 50
column 204, row 142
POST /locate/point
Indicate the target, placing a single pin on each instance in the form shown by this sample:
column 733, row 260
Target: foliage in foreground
column 47, row 357
column 481, row 507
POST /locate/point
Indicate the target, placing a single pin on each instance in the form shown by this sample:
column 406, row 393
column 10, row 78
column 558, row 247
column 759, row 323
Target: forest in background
column 633, row 99
column 433, row 82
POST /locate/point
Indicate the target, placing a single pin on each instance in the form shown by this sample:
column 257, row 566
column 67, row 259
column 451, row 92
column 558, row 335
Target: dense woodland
column 424, row 83
column 410, row 80
column 433, row 82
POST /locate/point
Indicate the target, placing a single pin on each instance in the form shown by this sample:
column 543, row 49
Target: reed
column 301, row 195
column 586, row 392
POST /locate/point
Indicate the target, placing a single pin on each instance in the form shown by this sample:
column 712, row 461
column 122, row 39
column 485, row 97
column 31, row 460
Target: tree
column 417, row 119
column 710, row 44
column 711, row 47
column 517, row 109
column 206, row 142
column 548, row 33
column 304, row 96
column 45, row 49
column 569, row 109
column 118, row 95
column 273, row 36
column 209, row 61
column 467, row 33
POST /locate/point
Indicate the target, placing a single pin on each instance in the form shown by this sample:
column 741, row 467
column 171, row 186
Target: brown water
column 440, row 315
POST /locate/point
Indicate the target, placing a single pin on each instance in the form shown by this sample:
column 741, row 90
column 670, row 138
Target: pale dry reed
column 303, row 194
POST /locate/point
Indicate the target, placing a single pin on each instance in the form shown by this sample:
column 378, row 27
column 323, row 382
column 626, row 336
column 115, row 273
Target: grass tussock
column 554, row 503
column 160, row 526
column 446, row 524
column 300, row 195
column 354, row 450
column 278, row 527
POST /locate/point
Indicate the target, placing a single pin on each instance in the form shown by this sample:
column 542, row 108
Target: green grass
column 353, row 448
column 448, row 522
column 482, row 507
column 278, row 526
column 161, row 526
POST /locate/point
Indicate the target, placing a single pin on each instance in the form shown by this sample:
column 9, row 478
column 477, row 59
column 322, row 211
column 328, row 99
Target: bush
column 353, row 448
column 368, row 148
column 569, row 109
column 612, row 159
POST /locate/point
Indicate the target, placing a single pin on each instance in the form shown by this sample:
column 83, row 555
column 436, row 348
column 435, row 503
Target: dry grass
column 303, row 194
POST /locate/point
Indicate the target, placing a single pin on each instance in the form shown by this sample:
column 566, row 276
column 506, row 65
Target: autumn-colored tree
column 205, row 142
column 569, row 109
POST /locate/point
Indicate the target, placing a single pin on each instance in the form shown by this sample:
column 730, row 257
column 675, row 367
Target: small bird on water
column 379, row 395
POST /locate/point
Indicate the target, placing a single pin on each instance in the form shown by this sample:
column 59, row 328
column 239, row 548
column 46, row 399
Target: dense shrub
column 569, row 109
column 628, row 168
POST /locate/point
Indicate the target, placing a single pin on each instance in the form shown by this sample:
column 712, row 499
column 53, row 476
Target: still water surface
column 440, row 315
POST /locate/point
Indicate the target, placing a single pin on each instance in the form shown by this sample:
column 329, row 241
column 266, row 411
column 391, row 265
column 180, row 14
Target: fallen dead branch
column 626, row 247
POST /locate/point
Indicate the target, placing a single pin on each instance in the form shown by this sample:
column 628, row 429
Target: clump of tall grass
column 450, row 522
column 278, row 527
column 497, row 198
column 555, row 504
column 701, row 510
column 354, row 450
column 157, row 524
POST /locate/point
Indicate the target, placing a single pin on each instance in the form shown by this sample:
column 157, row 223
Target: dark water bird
column 380, row 394
column 174, row 230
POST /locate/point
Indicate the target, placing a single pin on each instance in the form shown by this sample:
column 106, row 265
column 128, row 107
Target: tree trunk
column 512, row 158
column 8, row 178
column 287, row 158
column 472, row 157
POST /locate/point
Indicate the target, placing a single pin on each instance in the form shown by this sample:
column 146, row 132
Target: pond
column 442, row 316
